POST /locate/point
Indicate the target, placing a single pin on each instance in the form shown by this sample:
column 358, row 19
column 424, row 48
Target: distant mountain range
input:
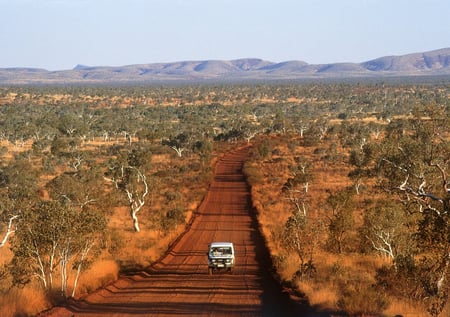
column 432, row 63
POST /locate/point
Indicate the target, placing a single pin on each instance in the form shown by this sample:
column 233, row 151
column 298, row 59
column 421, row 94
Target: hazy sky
column 59, row 34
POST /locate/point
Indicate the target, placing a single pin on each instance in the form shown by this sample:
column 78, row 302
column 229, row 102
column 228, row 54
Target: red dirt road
column 179, row 284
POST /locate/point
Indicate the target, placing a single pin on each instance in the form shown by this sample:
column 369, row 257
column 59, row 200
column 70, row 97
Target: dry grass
column 407, row 309
column 131, row 250
column 101, row 273
column 141, row 249
column 333, row 270
column 318, row 296
column 23, row 302
column 5, row 253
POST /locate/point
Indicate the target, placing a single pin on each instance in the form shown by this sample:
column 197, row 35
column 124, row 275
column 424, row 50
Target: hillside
column 433, row 63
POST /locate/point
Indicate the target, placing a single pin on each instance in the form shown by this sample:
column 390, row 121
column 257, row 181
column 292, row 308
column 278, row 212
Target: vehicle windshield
column 220, row 251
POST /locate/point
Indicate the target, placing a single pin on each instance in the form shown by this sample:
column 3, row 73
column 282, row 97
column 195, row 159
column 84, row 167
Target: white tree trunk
column 357, row 186
column 9, row 230
column 179, row 150
column 64, row 257
column 137, row 200
column 135, row 221
column 84, row 254
column 52, row 263
column 384, row 243
column 40, row 264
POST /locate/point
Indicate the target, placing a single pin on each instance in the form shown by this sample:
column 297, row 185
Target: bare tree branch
column 445, row 183
column 419, row 193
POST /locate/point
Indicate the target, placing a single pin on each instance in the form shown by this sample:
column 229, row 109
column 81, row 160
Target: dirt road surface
column 179, row 284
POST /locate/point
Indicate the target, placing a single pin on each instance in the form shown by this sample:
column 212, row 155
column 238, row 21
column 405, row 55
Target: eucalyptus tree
column 204, row 148
column 18, row 124
column 387, row 228
column 301, row 173
column 128, row 172
column 361, row 158
column 354, row 134
column 70, row 123
column 280, row 121
column 341, row 221
column 78, row 189
column 18, row 190
column 8, row 214
column 52, row 238
column 179, row 143
column 297, row 185
column 316, row 132
column 10, row 229
column 301, row 236
column 301, row 125
column 414, row 165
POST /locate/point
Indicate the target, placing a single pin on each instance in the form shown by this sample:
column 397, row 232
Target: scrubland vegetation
column 349, row 181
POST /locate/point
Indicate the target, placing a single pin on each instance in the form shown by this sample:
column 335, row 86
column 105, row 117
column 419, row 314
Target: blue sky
column 59, row 34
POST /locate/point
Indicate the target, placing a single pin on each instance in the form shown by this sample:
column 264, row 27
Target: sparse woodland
column 350, row 183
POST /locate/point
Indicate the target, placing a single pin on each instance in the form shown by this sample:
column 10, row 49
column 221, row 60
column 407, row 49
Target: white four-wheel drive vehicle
column 220, row 256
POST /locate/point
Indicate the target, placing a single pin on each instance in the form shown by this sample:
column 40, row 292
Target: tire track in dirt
column 179, row 284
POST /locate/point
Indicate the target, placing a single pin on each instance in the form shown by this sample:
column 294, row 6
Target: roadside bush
column 169, row 219
column 253, row 174
column 279, row 262
column 360, row 299
column 306, row 271
column 3, row 150
column 264, row 149
column 399, row 279
column 409, row 279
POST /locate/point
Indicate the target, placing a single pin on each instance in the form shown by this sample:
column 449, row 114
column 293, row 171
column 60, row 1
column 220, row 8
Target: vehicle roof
column 221, row 244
